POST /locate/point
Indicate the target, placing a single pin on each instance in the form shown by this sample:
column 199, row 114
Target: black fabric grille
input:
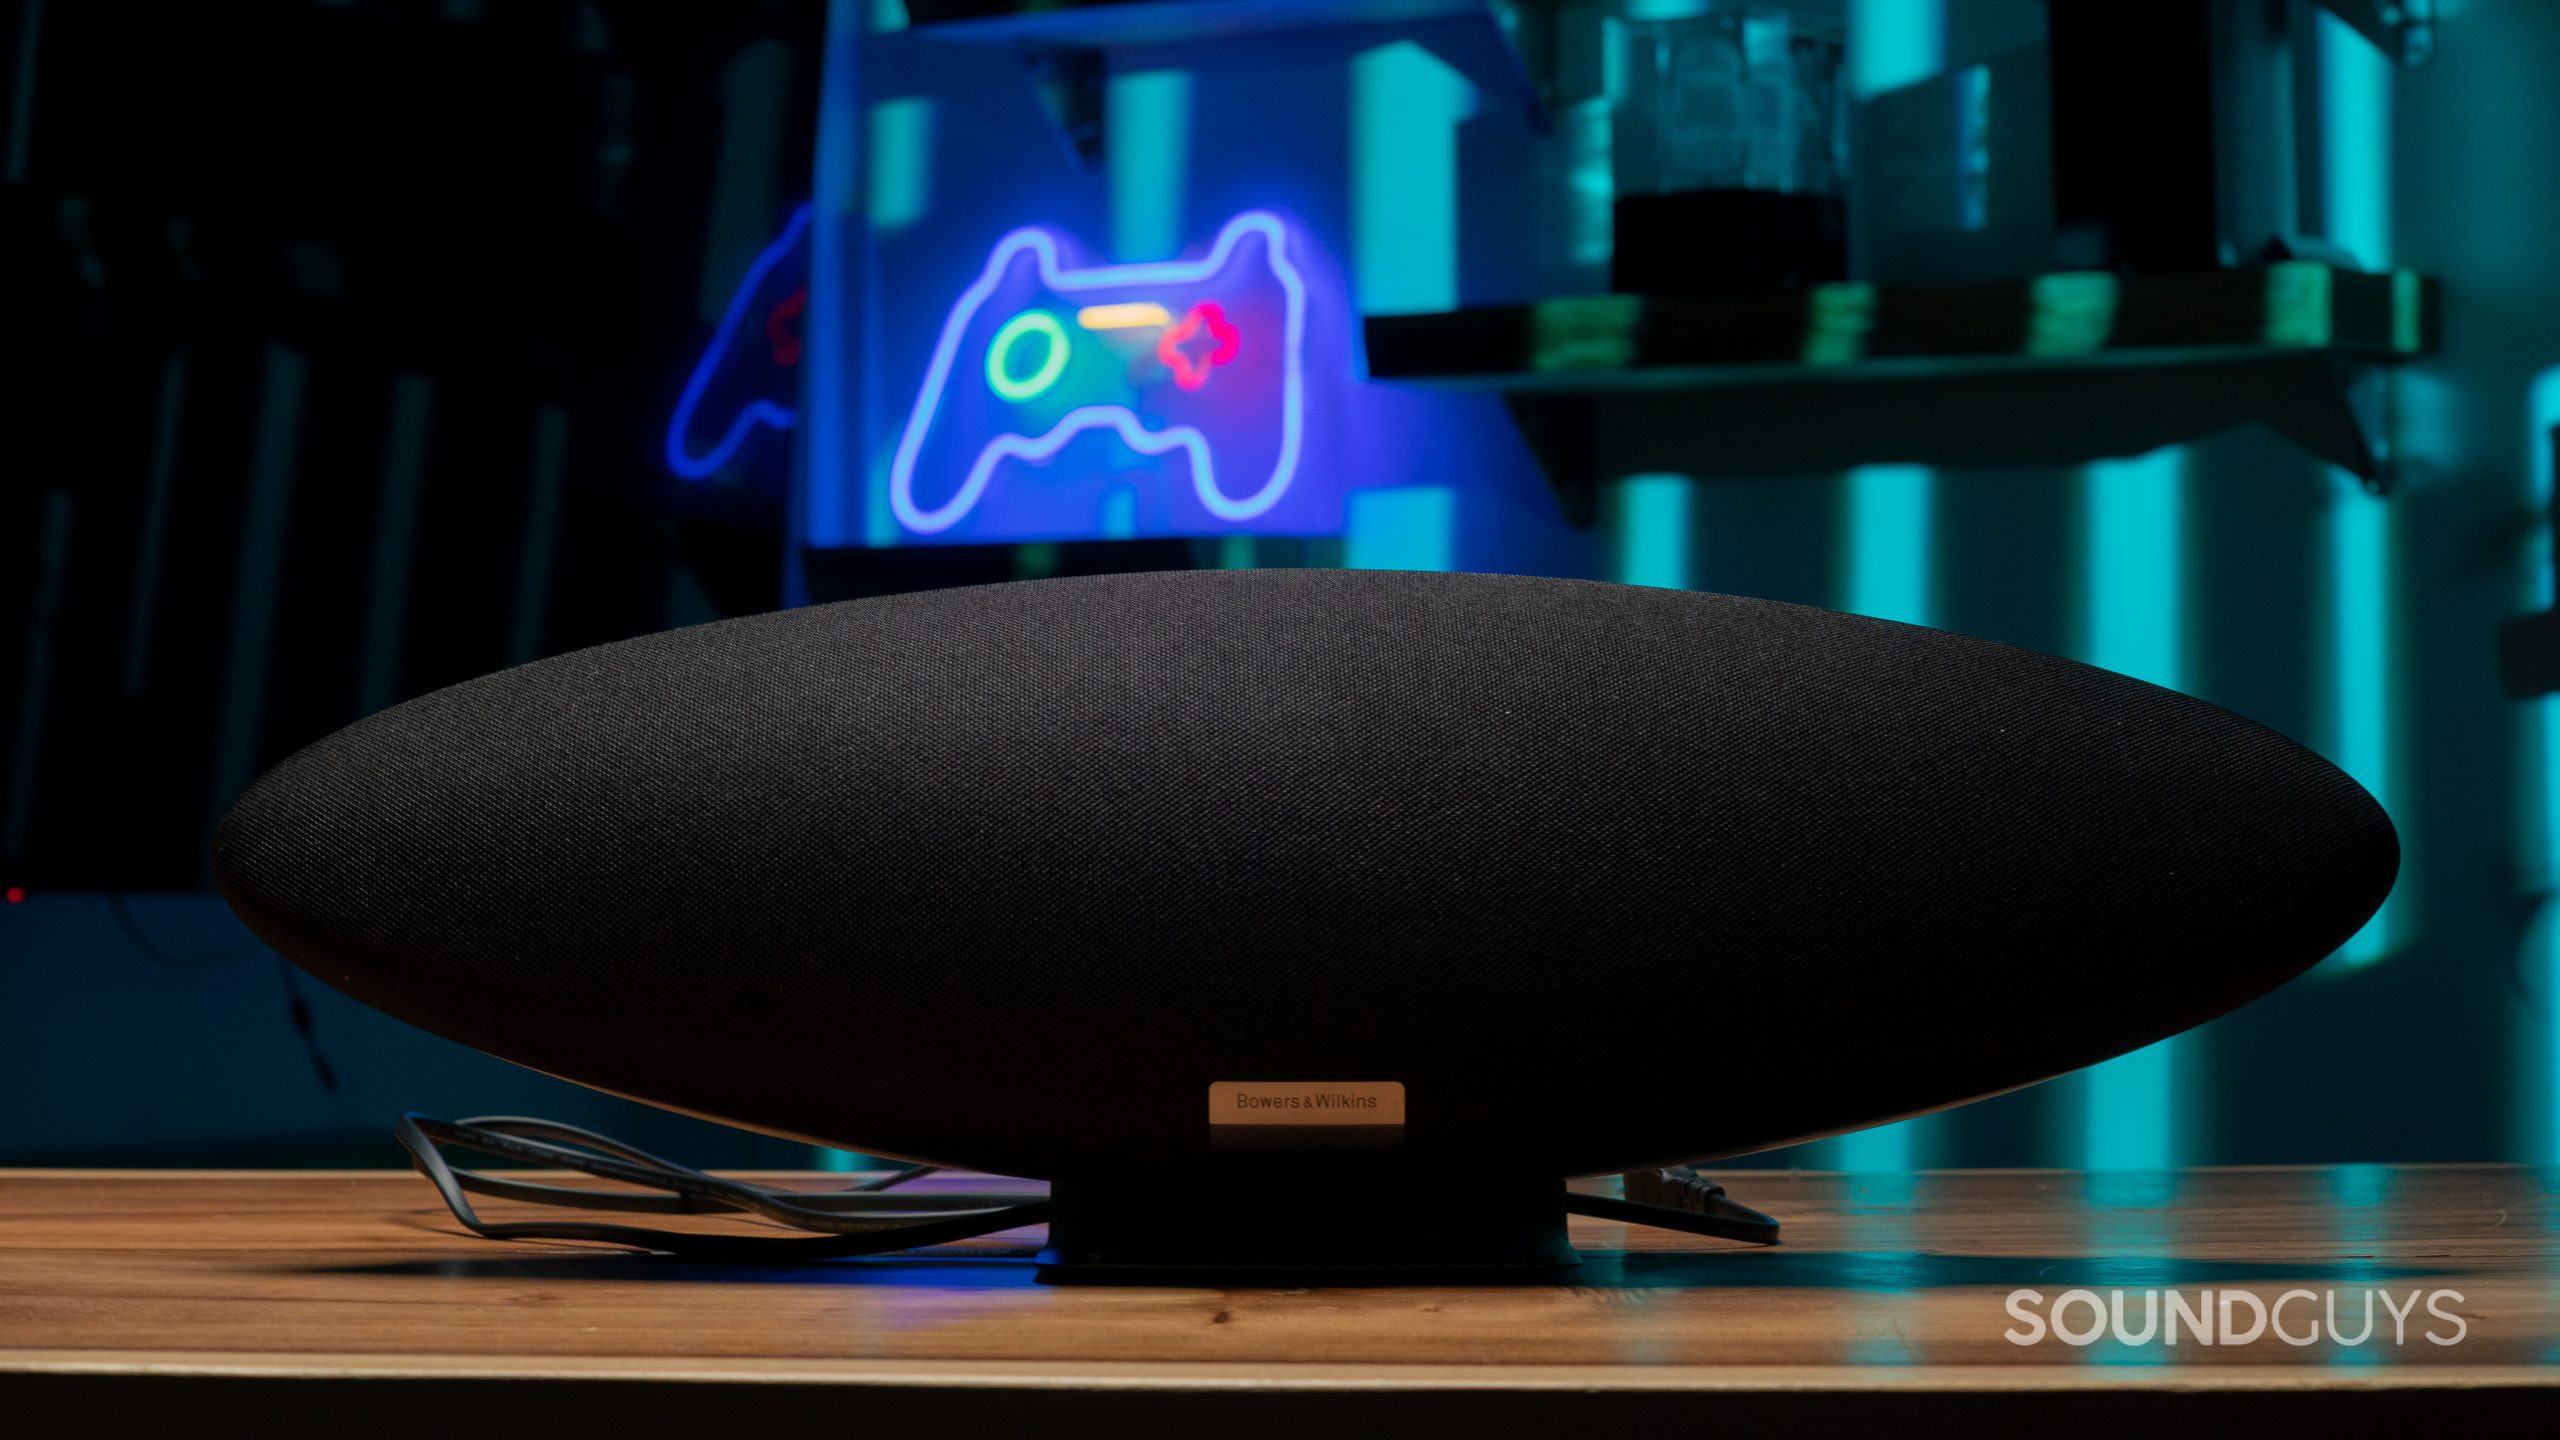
column 1006, row 876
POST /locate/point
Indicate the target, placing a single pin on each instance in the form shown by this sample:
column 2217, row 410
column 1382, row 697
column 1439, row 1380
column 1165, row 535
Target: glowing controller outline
column 783, row 250
column 1121, row 420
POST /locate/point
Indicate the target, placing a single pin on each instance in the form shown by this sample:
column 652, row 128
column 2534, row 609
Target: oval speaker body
column 1135, row 875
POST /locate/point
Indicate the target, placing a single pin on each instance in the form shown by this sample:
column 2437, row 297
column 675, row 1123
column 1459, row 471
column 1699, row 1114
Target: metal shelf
column 1112, row 24
column 2051, row 369
column 1499, row 45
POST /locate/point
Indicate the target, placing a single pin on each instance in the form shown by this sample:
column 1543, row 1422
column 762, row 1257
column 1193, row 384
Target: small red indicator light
column 15, row 894
column 782, row 327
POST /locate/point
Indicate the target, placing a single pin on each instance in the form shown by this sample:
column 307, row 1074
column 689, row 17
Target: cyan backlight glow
column 2355, row 142
column 2361, row 575
column 1406, row 107
column 2136, row 554
column 1890, row 539
column 1887, row 535
column 1893, row 43
column 2136, row 517
column 1973, row 146
column 1147, row 124
column 1886, row 521
column 1653, row 530
column 2542, row 431
column 901, row 177
column 1409, row 527
column 1286, row 410
column 2135, row 523
column 2355, row 182
column 1891, row 542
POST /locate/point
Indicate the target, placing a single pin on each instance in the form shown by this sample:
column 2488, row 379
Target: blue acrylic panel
column 1013, row 342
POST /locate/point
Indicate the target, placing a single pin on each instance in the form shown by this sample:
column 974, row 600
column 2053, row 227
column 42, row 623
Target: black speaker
column 1155, row 878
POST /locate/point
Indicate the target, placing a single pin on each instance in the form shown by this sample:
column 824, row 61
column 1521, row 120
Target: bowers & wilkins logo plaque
column 1326, row 1114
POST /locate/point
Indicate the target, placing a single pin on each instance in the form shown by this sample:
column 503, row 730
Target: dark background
column 343, row 338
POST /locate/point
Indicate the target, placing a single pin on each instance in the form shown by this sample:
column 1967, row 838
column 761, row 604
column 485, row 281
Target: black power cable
column 857, row 1221
column 861, row 1220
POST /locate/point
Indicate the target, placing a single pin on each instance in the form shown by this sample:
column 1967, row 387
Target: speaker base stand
column 1477, row 1227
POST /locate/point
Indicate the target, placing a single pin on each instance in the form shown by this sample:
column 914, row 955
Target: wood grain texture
column 137, row 1290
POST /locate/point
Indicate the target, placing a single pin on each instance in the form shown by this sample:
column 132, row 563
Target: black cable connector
column 1678, row 1199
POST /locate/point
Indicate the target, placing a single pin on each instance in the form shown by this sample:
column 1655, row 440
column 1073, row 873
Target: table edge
column 1216, row 1376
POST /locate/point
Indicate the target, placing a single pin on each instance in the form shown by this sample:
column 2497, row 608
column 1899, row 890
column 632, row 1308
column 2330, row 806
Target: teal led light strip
column 1406, row 106
column 901, row 154
column 2355, row 142
column 1890, row 523
column 1893, row 43
column 2355, row 182
column 2361, row 573
column 2543, row 412
column 1886, row 511
column 1653, row 531
column 1973, row 147
column 1407, row 528
column 2135, row 519
column 1642, row 10
column 1889, row 543
column 1147, row 123
column 1119, row 519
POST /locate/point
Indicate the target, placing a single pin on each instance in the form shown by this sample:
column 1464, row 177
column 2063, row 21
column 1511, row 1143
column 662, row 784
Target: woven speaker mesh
column 1006, row 876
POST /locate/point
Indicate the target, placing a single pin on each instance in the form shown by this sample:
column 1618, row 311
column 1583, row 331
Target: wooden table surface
column 313, row 1300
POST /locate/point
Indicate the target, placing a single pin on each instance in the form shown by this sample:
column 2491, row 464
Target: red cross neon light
column 1191, row 371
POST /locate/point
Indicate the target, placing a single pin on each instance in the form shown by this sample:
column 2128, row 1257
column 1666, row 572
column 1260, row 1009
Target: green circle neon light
column 1000, row 377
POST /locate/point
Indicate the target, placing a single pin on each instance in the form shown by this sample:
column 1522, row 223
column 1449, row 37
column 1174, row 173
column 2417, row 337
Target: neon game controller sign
column 1176, row 390
column 1060, row 400
column 747, row 375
